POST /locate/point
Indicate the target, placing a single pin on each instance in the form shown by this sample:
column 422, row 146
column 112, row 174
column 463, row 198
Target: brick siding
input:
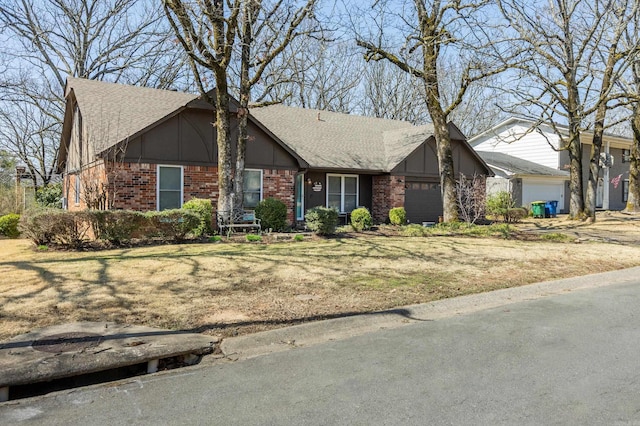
column 388, row 192
column 280, row 184
column 134, row 186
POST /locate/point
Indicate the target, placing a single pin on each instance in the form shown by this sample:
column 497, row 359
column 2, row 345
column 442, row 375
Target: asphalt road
column 565, row 359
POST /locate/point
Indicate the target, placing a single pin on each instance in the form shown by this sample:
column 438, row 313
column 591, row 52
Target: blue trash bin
column 551, row 209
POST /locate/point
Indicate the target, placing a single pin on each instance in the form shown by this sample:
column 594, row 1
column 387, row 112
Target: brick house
column 127, row 147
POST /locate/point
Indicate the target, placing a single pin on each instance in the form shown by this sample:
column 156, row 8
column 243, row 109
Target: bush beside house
column 398, row 216
column 322, row 220
column 361, row 219
column 272, row 214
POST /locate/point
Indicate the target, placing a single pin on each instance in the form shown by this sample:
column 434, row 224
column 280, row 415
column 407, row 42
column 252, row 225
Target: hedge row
column 74, row 229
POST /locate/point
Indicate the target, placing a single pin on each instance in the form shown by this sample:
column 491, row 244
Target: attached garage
column 537, row 190
column 423, row 201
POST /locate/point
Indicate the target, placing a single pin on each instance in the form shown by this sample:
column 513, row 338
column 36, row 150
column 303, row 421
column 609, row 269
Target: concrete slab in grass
column 74, row 349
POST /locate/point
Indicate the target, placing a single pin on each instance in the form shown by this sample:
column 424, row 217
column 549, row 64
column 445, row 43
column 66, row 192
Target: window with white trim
column 342, row 192
column 625, row 190
column 169, row 187
column 299, row 196
column 626, row 155
column 77, row 189
column 252, row 188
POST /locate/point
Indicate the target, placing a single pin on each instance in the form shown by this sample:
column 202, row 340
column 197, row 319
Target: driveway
column 610, row 226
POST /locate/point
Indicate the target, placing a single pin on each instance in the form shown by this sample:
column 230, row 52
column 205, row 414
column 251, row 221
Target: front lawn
column 229, row 288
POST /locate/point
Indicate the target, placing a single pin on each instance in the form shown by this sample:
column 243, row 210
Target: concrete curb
column 253, row 345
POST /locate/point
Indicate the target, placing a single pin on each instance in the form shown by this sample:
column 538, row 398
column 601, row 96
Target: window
column 77, row 190
column 626, row 155
column 342, row 192
column 252, row 188
column 625, row 190
column 169, row 187
column 300, row 196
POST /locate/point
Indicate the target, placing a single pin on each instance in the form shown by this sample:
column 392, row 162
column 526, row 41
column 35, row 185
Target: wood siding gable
column 189, row 138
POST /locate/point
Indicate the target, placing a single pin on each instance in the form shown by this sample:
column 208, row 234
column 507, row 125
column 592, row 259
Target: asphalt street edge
column 312, row 333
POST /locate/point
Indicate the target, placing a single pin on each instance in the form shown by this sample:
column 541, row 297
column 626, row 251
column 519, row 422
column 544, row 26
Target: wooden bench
column 245, row 219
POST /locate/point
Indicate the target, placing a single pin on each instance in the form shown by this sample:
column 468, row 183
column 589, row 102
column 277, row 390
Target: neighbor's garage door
column 423, row 202
column 542, row 191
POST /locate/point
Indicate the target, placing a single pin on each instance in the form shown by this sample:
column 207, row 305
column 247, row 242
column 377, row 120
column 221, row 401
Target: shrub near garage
column 398, row 216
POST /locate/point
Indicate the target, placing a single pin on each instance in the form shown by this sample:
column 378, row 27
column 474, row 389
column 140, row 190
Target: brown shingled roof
column 113, row 112
column 343, row 141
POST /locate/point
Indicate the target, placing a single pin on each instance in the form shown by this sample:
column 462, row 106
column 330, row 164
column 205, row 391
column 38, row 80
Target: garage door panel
column 423, row 201
column 542, row 192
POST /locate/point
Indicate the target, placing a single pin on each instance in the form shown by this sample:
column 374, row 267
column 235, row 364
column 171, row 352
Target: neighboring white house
column 544, row 173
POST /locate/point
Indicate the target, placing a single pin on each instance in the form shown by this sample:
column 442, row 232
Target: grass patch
column 235, row 287
column 501, row 230
column 556, row 236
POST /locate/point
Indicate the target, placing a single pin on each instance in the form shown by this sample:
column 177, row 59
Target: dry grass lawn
column 229, row 288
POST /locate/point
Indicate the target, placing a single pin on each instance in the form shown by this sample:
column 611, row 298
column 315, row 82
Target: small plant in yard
column 471, row 198
column 414, row 231
column 499, row 204
column 43, row 248
column 272, row 214
column 253, row 238
column 298, row 237
column 515, row 215
column 398, row 216
column 555, row 236
column 9, row 225
column 361, row 219
column 215, row 239
column 322, row 220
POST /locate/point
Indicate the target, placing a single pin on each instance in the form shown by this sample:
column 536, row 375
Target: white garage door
column 543, row 191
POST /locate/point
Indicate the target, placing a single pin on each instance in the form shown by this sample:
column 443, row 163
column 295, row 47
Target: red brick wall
column 92, row 182
column 136, row 185
column 388, row 192
column 280, row 184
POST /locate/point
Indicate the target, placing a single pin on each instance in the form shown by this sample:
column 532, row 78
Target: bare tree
column 633, row 198
column 439, row 31
column 249, row 34
column 313, row 73
column 47, row 40
column 472, row 194
column 392, row 93
column 570, row 59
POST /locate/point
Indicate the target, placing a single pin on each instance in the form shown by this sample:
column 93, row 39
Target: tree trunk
column 250, row 11
column 225, row 179
column 441, row 134
column 576, row 200
column 633, row 200
column 594, row 172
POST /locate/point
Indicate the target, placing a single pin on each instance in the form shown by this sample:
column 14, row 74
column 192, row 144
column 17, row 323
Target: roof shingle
column 113, row 112
column 341, row 141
